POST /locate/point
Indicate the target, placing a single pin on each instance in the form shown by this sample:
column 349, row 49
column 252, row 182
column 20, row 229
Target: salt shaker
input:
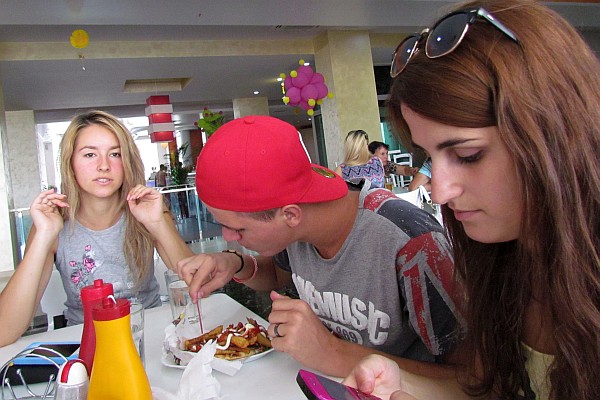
column 72, row 382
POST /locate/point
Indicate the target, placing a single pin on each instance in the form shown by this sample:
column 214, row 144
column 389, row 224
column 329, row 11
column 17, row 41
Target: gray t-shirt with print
column 84, row 255
column 390, row 285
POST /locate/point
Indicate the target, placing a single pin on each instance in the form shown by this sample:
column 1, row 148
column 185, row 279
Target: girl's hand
column 45, row 212
column 146, row 204
column 377, row 375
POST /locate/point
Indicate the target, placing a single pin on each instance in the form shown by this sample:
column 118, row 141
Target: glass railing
column 22, row 221
column 194, row 222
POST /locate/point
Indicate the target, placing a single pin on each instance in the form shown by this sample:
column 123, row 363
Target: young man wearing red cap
column 370, row 268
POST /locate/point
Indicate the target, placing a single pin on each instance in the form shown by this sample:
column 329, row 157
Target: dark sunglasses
column 443, row 38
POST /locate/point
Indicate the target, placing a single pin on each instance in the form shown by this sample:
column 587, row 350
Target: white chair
column 53, row 300
column 397, row 157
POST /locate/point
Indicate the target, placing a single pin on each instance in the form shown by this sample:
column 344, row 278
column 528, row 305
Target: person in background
column 152, row 176
column 358, row 162
column 369, row 267
column 513, row 131
column 423, row 177
column 161, row 176
column 161, row 181
column 381, row 150
column 104, row 225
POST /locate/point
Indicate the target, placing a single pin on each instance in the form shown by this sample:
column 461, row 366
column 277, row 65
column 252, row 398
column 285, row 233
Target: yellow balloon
column 310, row 112
column 282, row 75
column 311, row 102
column 330, row 95
column 286, row 99
column 320, row 101
column 79, row 39
column 301, row 62
column 293, row 74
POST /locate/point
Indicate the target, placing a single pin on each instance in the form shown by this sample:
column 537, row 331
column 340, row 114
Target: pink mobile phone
column 317, row 387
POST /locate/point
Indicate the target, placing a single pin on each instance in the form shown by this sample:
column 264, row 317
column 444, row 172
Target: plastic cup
column 136, row 315
column 179, row 297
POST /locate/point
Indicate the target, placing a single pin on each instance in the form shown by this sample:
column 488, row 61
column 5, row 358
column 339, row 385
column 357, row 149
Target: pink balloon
column 305, row 70
column 317, row 78
column 287, row 83
column 309, row 92
column 304, row 105
column 294, row 94
column 300, row 80
column 321, row 90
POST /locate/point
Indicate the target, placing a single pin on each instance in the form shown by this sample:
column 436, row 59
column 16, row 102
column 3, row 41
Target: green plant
column 179, row 173
column 210, row 121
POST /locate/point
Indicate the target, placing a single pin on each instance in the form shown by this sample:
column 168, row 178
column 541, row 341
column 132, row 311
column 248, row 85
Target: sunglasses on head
column 443, row 38
column 359, row 132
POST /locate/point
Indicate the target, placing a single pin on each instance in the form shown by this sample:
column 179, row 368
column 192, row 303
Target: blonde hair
column 139, row 245
column 356, row 148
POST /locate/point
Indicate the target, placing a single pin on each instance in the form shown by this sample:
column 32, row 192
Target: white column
column 344, row 58
column 23, row 157
column 7, row 261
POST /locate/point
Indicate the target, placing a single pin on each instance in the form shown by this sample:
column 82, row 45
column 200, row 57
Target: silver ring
column 276, row 330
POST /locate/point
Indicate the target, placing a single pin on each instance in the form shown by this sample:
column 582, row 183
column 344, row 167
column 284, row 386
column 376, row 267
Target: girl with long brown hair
column 505, row 97
column 105, row 224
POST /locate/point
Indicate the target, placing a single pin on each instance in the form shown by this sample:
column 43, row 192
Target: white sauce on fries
column 228, row 342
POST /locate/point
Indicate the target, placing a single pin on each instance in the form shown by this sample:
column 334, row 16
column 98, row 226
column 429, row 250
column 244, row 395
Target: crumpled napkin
column 175, row 336
column 197, row 381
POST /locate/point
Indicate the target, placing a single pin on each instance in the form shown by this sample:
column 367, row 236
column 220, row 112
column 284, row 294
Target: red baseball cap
column 258, row 163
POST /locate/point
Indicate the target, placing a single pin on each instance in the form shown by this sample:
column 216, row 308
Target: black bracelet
column 237, row 253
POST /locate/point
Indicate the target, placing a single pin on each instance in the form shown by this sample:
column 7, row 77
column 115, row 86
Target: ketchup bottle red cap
column 97, row 291
column 111, row 309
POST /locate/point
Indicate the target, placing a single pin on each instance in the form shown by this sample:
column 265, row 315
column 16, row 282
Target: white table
column 270, row 377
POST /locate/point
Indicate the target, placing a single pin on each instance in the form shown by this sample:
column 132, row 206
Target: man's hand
column 300, row 332
column 207, row 272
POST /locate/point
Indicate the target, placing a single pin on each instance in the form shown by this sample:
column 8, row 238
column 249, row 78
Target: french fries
column 233, row 342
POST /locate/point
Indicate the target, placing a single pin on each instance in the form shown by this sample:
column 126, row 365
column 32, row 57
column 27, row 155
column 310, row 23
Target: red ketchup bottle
column 90, row 296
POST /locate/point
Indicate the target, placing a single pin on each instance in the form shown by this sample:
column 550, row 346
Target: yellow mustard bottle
column 118, row 372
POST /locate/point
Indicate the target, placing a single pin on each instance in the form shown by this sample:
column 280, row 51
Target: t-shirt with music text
column 390, row 287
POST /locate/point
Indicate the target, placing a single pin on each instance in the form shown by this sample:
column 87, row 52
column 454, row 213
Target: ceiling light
column 256, row 92
column 279, row 79
column 307, row 64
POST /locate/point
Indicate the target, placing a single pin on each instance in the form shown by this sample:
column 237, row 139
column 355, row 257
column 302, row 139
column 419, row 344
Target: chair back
column 54, row 298
column 398, row 157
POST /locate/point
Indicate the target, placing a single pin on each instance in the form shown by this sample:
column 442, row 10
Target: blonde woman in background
column 104, row 225
column 359, row 162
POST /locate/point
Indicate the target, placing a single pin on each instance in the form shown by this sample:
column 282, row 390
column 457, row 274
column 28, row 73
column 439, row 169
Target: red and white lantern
column 159, row 111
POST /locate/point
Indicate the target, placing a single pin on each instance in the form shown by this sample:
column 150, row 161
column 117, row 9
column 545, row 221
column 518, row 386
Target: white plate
column 169, row 361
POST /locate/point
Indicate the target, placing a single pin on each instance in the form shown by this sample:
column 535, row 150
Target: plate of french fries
column 237, row 341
